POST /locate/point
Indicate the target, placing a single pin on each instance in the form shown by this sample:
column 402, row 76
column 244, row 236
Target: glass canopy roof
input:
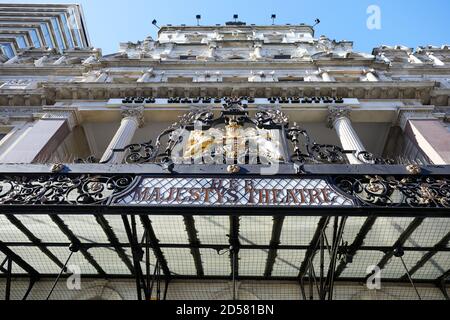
column 41, row 242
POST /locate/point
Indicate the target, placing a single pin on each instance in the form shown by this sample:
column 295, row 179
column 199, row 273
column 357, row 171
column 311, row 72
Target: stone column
column 133, row 118
column 428, row 134
column 41, row 139
column 339, row 120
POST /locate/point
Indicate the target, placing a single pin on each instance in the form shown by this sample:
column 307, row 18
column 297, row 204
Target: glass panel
column 386, row 231
column 75, row 27
column 15, row 268
column 35, row 38
column 9, row 232
column 361, row 262
column 85, row 228
column 7, row 50
column 67, row 30
column 43, row 228
column 77, row 260
column 21, row 42
column 180, row 261
column 39, row 261
column 429, row 233
column 58, row 35
column 287, row 263
column 435, row 267
column 116, row 224
column 110, row 261
column 213, row 229
column 298, row 230
column 394, row 269
column 252, row 262
column 255, row 230
column 47, row 37
column 352, row 228
column 170, row 229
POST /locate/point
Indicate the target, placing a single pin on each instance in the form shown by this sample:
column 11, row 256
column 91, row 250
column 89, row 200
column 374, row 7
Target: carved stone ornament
column 336, row 113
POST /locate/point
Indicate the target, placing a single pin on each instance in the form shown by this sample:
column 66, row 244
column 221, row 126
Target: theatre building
column 233, row 161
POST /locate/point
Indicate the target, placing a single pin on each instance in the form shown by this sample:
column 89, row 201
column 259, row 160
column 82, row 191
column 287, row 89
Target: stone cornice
column 51, row 92
column 233, row 64
column 27, row 69
column 362, row 90
column 294, row 84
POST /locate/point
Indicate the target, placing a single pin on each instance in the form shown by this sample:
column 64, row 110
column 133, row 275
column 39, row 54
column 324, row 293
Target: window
column 180, row 79
column 35, row 38
column 235, row 79
column 67, row 30
column 188, row 57
column 75, row 27
column 47, row 37
column 58, row 35
column 7, row 50
column 235, row 57
column 290, row 79
column 21, row 42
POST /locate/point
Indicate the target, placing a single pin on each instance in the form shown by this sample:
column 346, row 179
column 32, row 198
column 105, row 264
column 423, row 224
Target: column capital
column 133, row 112
column 335, row 113
column 405, row 115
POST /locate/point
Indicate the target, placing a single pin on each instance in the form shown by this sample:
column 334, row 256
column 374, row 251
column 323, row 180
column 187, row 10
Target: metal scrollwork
column 140, row 153
column 235, row 113
column 61, row 189
column 369, row 158
column 306, row 151
column 397, row 192
column 271, row 118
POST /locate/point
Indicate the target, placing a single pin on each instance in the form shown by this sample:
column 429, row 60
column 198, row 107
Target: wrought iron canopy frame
column 234, row 115
column 145, row 280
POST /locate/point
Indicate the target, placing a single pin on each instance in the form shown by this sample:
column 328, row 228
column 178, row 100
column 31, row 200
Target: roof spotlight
column 316, row 22
column 235, row 17
column 198, row 17
column 155, row 23
column 273, row 17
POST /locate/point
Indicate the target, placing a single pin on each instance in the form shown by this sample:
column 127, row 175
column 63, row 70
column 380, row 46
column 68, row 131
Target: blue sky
column 407, row 22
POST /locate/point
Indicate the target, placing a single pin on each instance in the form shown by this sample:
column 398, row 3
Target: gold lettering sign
column 229, row 192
